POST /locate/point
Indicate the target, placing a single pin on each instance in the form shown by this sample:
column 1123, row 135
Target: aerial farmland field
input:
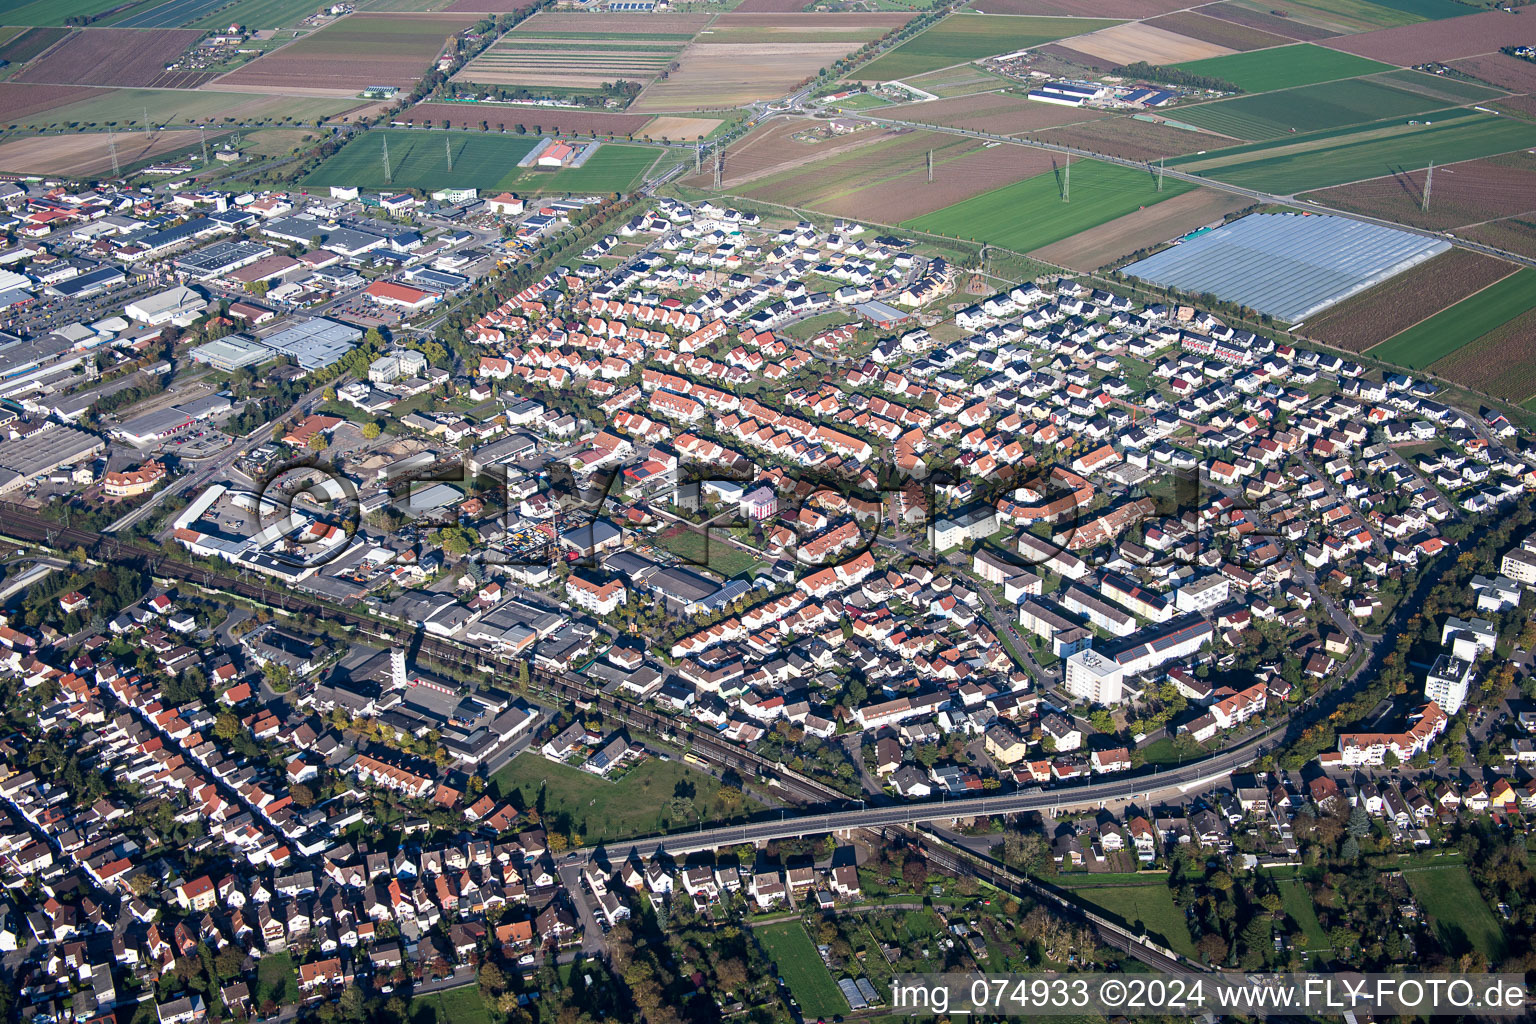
column 1301, row 163
column 111, row 57
column 1438, row 40
column 1284, row 67
column 1374, row 315
column 419, row 159
column 1307, row 108
column 1030, row 214
column 965, row 37
column 51, row 12
column 1447, row 331
column 1468, row 198
column 50, row 106
column 352, row 53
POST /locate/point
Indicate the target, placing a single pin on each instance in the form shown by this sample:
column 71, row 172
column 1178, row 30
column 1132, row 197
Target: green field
column 263, row 14
column 1462, row 919
column 968, row 36
column 26, row 43
column 276, row 979
column 462, row 1005
column 1299, row 163
column 50, row 12
column 792, row 951
column 1284, row 67
column 709, row 550
column 419, row 159
column 1468, row 320
column 642, row 802
column 1454, row 90
column 1429, row 10
column 1308, row 108
column 1149, row 906
column 1029, row 214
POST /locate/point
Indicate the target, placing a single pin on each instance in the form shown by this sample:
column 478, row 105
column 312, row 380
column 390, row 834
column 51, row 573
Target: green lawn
column 967, row 36
column 792, row 951
column 1030, row 213
column 1309, row 108
column 486, row 161
column 710, row 551
column 1468, row 320
column 642, row 802
column 1149, row 906
column 1284, row 67
column 462, row 1005
column 1299, row 906
column 1299, row 163
column 1461, row 918
column 276, row 979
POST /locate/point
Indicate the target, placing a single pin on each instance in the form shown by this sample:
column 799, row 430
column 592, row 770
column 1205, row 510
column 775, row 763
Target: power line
column 1429, row 180
column 719, row 164
column 930, row 167
column 448, row 149
column 1066, row 181
column 202, row 138
column 112, row 149
column 386, row 160
column 1159, row 174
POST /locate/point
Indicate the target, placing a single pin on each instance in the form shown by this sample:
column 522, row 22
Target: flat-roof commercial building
column 27, row 458
column 180, row 305
column 314, row 344
column 1287, row 265
column 221, row 258
column 231, row 353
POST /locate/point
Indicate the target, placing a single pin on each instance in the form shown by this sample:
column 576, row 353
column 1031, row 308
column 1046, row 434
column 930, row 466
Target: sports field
column 1284, row 67
column 1299, row 163
column 968, row 36
column 419, row 159
column 1461, row 917
column 1468, row 320
column 1030, row 213
column 793, row 953
column 1308, row 108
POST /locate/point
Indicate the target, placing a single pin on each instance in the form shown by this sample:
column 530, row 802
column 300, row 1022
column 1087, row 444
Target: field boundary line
column 1437, row 312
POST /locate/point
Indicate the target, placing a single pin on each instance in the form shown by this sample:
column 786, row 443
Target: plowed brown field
column 1267, row 22
column 1501, row 70
column 110, row 57
column 1501, row 363
column 1441, row 40
column 1214, row 30
column 1129, row 139
column 996, row 112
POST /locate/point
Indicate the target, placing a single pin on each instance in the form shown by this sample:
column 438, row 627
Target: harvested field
column 996, row 112
column 889, row 156
column 716, row 76
column 85, row 155
column 1131, row 139
column 1111, row 242
column 1373, row 316
column 1267, row 22
column 29, row 43
column 1501, row 363
column 1213, row 30
column 851, row 29
column 678, row 127
column 967, row 36
column 572, row 23
column 1464, row 194
column 1501, row 70
column 488, row 6
column 958, row 174
column 18, row 102
column 1081, row 8
column 110, row 57
column 353, row 53
column 507, row 117
column 1071, row 56
column 1520, row 106
column 1441, row 40
column 568, row 63
column 769, row 149
column 1134, row 41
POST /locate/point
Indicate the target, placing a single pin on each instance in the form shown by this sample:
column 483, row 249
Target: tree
column 1212, row 947
column 226, row 726
column 302, row 795
column 318, row 443
column 371, row 431
column 915, row 871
